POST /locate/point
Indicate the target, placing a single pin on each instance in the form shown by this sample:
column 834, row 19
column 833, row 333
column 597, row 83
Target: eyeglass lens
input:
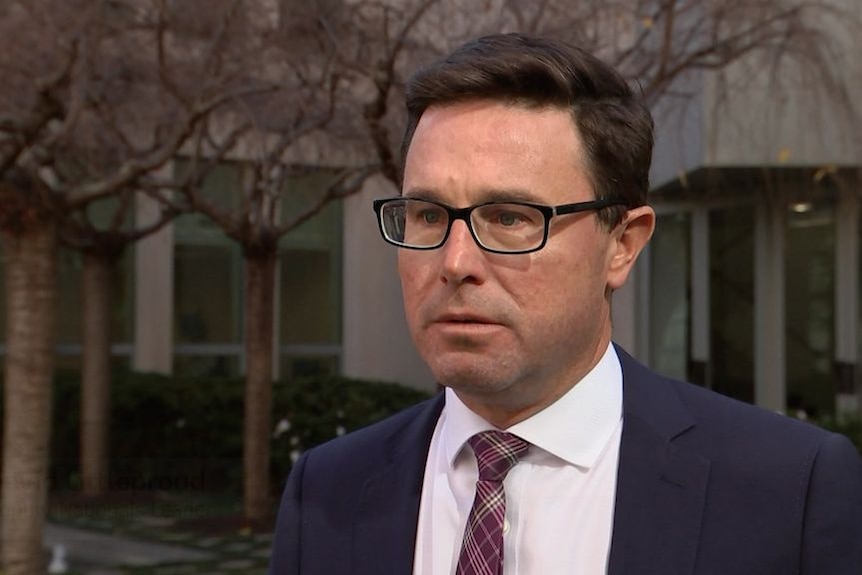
column 498, row 226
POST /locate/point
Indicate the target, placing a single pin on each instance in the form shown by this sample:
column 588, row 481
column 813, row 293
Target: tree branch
column 348, row 184
column 375, row 111
column 134, row 168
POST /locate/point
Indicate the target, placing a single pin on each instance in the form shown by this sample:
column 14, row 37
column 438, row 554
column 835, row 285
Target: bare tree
column 192, row 68
column 29, row 243
column 343, row 66
column 314, row 122
column 100, row 95
column 655, row 43
column 101, row 248
column 96, row 96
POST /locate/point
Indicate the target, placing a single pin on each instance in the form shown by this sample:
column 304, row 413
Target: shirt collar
column 575, row 428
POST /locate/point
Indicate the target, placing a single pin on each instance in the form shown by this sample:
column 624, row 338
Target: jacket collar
column 384, row 537
column 661, row 486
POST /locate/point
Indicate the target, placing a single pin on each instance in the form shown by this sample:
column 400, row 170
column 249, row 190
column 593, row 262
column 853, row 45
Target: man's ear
column 627, row 241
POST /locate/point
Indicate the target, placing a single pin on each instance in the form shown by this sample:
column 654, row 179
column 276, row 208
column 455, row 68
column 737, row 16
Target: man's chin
column 472, row 377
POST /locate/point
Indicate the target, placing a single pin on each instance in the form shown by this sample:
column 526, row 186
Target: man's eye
column 509, row 219
column 430, row 216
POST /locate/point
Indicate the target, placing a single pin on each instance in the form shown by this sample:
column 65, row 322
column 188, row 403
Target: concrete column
column 276, row 322
column 699, row 370
column 770, row 386
column 154, row 293
column 643, row 303
column 624, row 314
column 630, row 311
column 273, row 205
column 377, row 343
column 848, row 400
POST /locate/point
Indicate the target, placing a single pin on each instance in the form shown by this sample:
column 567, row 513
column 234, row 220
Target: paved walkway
column 92, row 552
column 101, row 549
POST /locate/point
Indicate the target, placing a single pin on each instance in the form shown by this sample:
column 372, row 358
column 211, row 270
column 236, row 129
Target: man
column 523, row 208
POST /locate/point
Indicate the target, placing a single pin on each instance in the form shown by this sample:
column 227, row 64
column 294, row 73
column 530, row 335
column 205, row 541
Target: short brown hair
column 614, row 124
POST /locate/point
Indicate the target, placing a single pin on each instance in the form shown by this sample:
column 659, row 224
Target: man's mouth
column 464, row 318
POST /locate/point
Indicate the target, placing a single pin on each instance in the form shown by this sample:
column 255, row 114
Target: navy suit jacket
column 706, row 485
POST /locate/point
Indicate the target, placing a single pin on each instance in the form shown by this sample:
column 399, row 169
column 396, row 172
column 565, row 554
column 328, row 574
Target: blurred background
column 194, row 288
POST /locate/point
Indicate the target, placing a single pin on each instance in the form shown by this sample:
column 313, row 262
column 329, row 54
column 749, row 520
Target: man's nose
column 463, row 259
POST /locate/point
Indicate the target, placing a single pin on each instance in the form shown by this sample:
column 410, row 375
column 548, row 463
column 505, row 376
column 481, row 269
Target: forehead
column 467, row 151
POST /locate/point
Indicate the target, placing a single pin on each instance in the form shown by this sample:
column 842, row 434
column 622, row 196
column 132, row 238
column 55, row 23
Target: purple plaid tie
column 482, row 550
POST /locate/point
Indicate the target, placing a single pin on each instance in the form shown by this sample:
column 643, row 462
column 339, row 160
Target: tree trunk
column 259, row 309
column 30, row 307
column 96, row 372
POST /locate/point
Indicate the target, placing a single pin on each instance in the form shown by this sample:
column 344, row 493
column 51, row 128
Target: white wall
column 154, row 293
column 754, row 119
column 376, row 343
column 801, row 113
column 679, row 137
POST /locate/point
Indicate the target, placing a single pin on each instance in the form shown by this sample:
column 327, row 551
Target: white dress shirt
column 559, row 497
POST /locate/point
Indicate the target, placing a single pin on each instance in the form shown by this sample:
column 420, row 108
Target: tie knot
column 497, row 452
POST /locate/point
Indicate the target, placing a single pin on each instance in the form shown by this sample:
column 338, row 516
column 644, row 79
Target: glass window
column 223, row 187
column 69, row 267
column 2, row 297
column 69, row 326
column 310, row 281
column 70, row 360
column 69, row 297
column 731, row 248
column 101, row 214
column 323, row 230
column 310, row 309
column 122, row 318
column 810, row 307
column 669, row 297
column 209, row 365
column 208, row 284
column 852, row 374
column 207, row 294
column 304, row 366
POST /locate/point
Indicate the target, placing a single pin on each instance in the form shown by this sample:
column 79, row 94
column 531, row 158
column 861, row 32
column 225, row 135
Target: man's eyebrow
column 422, row 194
column 509, row 195
column 488, row 195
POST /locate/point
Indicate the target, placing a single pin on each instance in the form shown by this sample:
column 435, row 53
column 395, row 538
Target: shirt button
column 505, row 526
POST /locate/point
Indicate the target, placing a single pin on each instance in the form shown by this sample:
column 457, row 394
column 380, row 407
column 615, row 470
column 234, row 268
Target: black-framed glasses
column 498, row 227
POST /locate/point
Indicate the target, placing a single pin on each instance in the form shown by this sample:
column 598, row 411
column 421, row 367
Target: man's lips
column 465, row 318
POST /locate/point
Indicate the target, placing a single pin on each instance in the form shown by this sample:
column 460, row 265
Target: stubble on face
column 510, row 333
column 466, row 357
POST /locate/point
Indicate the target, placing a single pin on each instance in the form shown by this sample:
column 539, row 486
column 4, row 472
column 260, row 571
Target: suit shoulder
column 713, row 424
column 708, row 404
column 749, row 428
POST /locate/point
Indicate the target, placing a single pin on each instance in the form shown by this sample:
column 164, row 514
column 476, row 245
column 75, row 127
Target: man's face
column 509, row 333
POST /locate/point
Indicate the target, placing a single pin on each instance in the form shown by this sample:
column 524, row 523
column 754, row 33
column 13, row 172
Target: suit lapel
column 661, row 487
column 384, row 537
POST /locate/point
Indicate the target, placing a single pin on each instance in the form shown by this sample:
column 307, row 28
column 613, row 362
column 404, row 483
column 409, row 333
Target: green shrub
column 176, row 433
column 311, row 411
column 182, row 433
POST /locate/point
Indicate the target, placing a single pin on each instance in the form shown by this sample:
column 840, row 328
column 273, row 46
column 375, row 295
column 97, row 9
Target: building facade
column 750, row 286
